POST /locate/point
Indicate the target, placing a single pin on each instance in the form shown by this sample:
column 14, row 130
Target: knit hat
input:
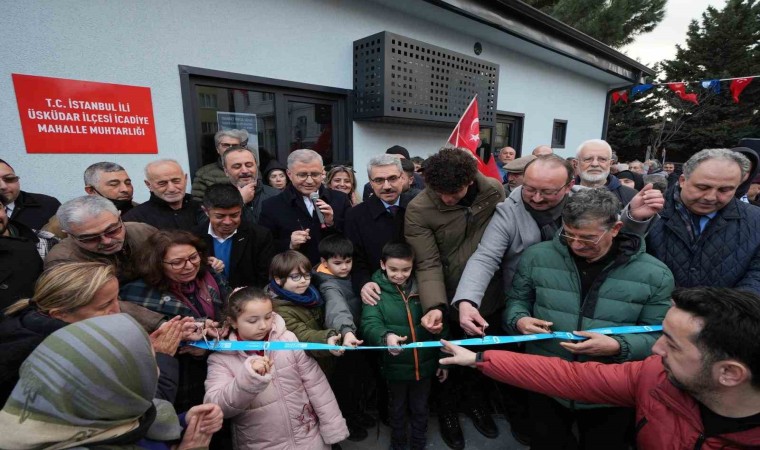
column 398, row 150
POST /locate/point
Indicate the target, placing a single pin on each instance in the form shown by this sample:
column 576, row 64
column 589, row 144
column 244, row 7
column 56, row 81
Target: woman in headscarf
column 91, row 384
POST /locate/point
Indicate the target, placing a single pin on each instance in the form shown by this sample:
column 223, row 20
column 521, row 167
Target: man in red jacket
column 700, row 389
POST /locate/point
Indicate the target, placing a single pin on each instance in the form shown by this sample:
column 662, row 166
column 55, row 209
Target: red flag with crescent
column 467, row 135
column 680, row 90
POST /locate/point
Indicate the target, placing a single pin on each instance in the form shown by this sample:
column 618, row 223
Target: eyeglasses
column 569, row 238
column 302, row 176
column 109, row 233
column 10, row 179
column 180, row 263
column 544, row 192
column 299, row 276
column 228, row 145
column 381, row 181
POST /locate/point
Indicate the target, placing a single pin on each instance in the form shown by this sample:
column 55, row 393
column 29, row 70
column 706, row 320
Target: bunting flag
column 737, row 86
column 713, row 85
column 641, row 88
column 680, row 90
column 467, row 135
column 620, row 95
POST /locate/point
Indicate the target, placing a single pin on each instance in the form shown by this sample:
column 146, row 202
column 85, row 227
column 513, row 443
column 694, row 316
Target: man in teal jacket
column 589, row 276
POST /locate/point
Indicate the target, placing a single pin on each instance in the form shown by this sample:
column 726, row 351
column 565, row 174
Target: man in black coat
column 245, row 249
column 296, row 221
column 32, row 210
column 20, row 260
column 240, row 167
column 375, row 222
column 169, row 207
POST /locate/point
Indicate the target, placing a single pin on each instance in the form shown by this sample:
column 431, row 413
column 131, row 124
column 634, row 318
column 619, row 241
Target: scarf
column 309, row 299
column 91, row 381
column 199, row 295
column 548, row 221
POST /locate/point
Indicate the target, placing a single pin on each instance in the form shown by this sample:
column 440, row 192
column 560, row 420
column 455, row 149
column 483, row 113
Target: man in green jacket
column 444, row 225
column 589, row 276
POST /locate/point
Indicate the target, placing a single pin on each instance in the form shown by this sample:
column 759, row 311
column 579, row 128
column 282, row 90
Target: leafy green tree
column 726, row 44
column 613, row 22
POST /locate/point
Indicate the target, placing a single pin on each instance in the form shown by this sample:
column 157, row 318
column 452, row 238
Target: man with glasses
column 375, row 222
column 590, row 275
column 242, row 171
column 306, row 210
column 169, row 206
column 97, row 233
column 595, row 158
column 32, row 210
column 214, row 173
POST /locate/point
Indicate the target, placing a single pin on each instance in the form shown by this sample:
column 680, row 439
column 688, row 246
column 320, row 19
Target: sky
column 661, row 43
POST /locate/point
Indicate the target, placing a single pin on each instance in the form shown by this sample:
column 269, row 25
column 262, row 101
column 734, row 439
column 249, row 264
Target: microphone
column 314, row 197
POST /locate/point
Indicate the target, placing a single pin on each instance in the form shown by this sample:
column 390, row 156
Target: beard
column 594, row 178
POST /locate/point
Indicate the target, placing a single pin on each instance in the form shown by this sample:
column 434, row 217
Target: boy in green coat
column 393, row 321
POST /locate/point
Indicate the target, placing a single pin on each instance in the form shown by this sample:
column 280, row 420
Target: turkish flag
column 680, row 90
column 620, row 95
column 737, row 86
column 467, row 135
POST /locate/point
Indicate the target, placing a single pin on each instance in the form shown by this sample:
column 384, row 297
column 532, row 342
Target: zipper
column 639, row 426
column 414, row 335
column 700, row 440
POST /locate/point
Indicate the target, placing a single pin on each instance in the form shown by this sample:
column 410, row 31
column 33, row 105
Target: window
column 280, row 116
column 507, row 132
column 559, row 131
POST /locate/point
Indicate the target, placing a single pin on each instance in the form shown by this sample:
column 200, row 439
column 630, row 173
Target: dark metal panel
column 399, row 78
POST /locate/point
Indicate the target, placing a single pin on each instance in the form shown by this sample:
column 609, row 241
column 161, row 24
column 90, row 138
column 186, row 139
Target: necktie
column 393, row 209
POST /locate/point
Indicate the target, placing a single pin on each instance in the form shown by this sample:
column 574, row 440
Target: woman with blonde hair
column 343, row 179
column 64, row 294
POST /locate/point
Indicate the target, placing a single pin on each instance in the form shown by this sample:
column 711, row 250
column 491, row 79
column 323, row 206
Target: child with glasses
column 300, row 305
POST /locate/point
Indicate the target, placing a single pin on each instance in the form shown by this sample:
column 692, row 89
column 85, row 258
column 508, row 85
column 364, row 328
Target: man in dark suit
column 245, row 249
column 32, row 210
column 295, row 220
column 376, row 221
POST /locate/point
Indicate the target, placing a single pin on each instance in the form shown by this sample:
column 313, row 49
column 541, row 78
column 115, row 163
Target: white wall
column 141, row 42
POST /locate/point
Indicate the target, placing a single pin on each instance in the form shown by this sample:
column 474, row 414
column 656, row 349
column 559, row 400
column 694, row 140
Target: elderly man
column 373, row 223
column 169, row 207
column 589, row 276
column 636, row 166
column 514, row 170
column 506, row 154
column 705, row 235
column 699, row 390
column 594, row 160
column 242, row 171
column 214, row 173
column 305, row 210
column 32, row 210
column 444, row 224
column 106, row 179
column 96, row 233
column 244, row 248
column 542, row 150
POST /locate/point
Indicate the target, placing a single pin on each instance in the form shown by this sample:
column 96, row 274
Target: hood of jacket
column 754, row 169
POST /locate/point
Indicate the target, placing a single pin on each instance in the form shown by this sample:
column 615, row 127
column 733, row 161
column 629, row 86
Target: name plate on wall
column 73, row 116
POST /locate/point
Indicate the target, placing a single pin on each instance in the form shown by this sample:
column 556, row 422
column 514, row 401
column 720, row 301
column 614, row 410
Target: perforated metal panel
column 401, row 79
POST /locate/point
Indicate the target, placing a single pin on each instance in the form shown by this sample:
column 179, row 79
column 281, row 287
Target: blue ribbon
column 236, row 346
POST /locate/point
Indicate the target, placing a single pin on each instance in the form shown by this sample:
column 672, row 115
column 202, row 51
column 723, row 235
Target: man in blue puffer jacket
column 705, row 235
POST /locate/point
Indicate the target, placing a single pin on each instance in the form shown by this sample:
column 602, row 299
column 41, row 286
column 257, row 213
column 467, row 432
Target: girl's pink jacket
column 291, row 408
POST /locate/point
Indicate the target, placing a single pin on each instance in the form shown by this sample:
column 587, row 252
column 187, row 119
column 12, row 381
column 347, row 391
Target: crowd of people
column 102, row 296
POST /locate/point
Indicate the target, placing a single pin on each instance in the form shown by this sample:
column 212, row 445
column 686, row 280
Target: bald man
column 542, row 150
column 170, row 207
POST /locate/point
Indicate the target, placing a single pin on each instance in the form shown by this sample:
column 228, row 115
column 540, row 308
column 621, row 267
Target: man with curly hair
column 444, row 224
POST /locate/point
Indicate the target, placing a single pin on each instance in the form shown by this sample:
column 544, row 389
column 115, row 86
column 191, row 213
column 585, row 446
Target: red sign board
column 73, row 116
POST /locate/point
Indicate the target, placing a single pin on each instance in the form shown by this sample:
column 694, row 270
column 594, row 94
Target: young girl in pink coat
column 278, row 400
